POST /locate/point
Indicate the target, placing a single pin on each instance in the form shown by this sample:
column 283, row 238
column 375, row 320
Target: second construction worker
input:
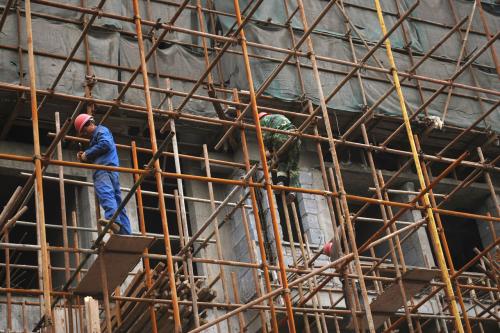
column 102, row 150
column 334, row 253
column 288, row 161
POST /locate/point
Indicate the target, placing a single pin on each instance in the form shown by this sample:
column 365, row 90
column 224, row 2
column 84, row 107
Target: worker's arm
column 104, row 142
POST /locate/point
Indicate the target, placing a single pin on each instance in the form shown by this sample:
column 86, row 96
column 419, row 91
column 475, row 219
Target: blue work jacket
column 102, row 148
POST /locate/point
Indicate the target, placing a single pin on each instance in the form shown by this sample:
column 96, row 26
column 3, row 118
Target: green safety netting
column 186, row 60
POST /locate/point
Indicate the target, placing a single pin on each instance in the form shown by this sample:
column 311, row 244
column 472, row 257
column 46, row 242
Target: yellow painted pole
column 430, row 215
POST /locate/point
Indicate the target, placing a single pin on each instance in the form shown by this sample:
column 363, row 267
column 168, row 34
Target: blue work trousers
column 107, row 188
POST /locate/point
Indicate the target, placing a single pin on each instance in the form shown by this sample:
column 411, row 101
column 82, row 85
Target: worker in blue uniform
column 102, row 150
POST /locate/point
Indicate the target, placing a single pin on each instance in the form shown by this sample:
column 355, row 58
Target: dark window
column 24, row 232
column 152, row 218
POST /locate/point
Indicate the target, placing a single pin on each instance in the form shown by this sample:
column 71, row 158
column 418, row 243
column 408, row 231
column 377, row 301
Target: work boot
column 115, row 227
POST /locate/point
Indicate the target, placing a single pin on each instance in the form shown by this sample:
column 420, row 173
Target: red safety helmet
column 327, row 249
column 81, row 121
column 262, row 114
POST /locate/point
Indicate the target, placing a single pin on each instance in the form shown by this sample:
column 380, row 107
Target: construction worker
column 102, row 150
column 334, row 253
column 288, row 161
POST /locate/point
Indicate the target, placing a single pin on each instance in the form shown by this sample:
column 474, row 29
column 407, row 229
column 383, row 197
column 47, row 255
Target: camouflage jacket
column 275, row 121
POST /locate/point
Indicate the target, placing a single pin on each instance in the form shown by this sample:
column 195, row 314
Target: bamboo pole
column 219, row 121
column 8, row 284
column 377, row 182
column 338, row 177
column 255, row 274
column 349, row 197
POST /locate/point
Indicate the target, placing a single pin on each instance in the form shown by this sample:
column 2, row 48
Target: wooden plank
column 141, row 322
column 60, row 320
column 132, row 318
column 132, row 290
column 136, row 289
column 121, row 255
column 413, row 281
column 134, row 313
column 387, row 303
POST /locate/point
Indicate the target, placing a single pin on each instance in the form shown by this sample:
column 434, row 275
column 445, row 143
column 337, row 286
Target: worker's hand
column 81, row 156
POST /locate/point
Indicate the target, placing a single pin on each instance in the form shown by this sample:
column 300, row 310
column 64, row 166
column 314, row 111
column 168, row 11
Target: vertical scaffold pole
column 47, row 309
column 430, row 215
column 157, row 171
column 267, row 177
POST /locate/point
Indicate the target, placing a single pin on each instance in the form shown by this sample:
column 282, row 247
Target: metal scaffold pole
column 44, row 253
column 430, row 214
column 382, row 182
column 157, row 170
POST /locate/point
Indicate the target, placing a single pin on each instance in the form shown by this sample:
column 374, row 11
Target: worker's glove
column 81, row 156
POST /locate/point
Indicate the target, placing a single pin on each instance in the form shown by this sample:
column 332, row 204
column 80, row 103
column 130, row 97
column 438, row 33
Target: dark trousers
column 107, row 188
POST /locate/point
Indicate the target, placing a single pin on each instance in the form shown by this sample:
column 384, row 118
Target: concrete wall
column 484, row 227
column 313, row 209
column 199, row 213
column 20, row 319
column 417, row 248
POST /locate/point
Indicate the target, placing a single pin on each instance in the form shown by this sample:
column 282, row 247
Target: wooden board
column 121, row 255
column 60, row 320
column 391, row 300
column 92, row 315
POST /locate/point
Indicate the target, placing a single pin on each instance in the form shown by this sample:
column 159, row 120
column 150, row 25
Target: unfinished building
column 395, row 104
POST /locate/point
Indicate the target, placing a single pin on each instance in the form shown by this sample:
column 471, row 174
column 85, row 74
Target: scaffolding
column 295, row 288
